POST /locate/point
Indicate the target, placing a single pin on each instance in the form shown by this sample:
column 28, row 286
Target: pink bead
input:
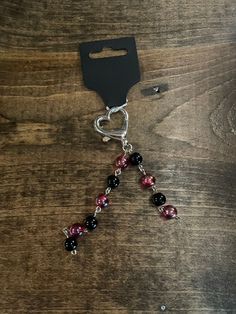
column 102, row 200
column 77, row 230
column 147, row 181
column 169, row 211
column 122, row 161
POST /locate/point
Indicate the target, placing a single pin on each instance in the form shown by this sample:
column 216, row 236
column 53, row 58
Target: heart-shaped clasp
column 118, row 134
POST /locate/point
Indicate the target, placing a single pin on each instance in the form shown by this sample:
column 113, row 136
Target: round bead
column 113, row 181
column 136, row 159
column 77, row 230
column 91, row 222
column 71, row 244
column 147, row 181
column 169, row 211
column 122, row 161
column 158, row 199
column 102, row 200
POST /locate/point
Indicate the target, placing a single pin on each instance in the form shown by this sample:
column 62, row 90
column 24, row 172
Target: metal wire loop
column 97, row 210
column 108, row 190
column 117, row 172
column 126, row 146
column 141, row 169
column 154, row 188
column 66, row 232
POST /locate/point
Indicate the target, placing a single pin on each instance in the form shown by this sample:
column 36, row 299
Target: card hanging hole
column 108, row 52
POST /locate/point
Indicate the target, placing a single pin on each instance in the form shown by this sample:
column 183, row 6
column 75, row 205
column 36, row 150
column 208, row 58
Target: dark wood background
column 53, row 164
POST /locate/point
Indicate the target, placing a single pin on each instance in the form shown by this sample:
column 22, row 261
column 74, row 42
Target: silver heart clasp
column 117, row 134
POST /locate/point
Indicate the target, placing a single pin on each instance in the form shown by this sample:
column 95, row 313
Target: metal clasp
column 117, row 134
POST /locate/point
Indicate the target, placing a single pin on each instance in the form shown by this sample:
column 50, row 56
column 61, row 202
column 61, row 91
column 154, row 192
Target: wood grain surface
column 52, row 164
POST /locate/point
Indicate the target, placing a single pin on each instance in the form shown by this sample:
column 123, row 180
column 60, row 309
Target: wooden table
column 53, row 164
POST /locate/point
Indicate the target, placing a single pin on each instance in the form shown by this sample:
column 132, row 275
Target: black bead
column 136, row 159
column 158, row 199
column 71, row 244
column 113, row 181
column 91, row 222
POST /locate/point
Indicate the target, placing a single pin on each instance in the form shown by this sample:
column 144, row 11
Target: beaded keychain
column 127, row 158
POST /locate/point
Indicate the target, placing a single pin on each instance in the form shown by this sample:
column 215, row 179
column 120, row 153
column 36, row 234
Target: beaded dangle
column 126, row 159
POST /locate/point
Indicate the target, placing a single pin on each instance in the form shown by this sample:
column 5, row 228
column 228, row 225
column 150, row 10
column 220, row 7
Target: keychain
column 126, row 159
column 99, row 75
